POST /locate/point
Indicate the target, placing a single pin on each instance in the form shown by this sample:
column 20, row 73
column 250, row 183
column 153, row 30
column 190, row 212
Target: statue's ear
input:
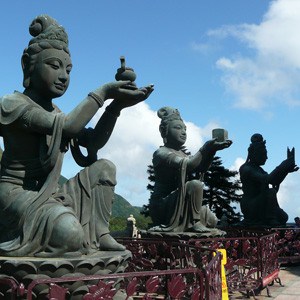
column 25, row 67
column 25, row 61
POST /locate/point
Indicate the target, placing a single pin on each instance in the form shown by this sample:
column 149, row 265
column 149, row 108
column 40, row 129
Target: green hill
column 122, row 208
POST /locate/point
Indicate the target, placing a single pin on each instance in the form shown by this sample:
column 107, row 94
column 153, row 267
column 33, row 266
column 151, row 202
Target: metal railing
column 157, row 270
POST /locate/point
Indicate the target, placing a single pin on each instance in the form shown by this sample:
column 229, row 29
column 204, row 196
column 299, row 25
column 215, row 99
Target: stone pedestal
column 18, row 272
column 214, row 232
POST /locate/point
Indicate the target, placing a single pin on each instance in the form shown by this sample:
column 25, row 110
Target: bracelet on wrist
column 97, row 98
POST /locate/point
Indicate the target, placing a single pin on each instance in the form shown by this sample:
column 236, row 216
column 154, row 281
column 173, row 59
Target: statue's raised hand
column 291, row 153
column 124, row 96
column 290, row 161
column 213, row 145
column 288, row 165
column 222, row 145
column 142, row 94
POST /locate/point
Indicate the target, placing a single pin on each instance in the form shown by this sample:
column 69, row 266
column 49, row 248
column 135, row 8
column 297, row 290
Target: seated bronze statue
column 259, row 203
column 37, row 216
column 176, row 202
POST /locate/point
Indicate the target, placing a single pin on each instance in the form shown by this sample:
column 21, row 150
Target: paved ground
column 290, row 278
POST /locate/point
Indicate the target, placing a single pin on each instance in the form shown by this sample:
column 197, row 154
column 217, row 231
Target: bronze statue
column 37, row 216
column 176, row 202
column 259, row 203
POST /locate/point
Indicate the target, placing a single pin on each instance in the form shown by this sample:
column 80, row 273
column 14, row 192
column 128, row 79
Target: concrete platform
column 290, row 278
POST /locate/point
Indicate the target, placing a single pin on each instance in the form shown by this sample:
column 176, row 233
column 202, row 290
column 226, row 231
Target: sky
column 228, row 64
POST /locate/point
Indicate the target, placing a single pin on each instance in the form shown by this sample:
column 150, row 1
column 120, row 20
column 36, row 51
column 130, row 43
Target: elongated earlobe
column 26, row 82
column 25, row 68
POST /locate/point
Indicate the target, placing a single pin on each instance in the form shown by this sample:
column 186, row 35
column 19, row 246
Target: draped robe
column 31, row 199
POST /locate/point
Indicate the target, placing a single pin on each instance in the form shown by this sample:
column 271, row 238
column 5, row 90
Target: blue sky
column 232, row 64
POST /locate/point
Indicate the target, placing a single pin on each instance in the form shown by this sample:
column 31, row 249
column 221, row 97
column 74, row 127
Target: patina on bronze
column 37, row 216
column 259, row 203
column 176, row 201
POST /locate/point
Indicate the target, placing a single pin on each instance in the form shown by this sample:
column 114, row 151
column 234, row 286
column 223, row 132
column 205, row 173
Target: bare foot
column 108, row 243
column 199, row 227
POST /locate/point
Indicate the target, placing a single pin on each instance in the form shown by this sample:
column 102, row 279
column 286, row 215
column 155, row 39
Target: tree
column 222, row 189
column 150, row 187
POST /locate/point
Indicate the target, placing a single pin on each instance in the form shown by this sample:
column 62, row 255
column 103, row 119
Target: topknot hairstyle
column 167, row 114
column 257, row 144
column 47, row 34
column 257, row 138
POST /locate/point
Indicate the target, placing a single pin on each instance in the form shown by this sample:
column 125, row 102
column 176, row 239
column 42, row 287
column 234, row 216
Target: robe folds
column 31, row 200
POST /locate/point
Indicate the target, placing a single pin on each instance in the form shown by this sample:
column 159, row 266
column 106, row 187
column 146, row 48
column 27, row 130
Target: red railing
column 288, row 243
column 179, row 269
column 252, row 262
column 158, row 254
column 158, row 270
column 287, row 240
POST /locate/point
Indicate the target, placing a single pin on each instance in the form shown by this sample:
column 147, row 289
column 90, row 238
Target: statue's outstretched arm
column 280, row 172
column 274, row 178
column 199, row 162
column 202, row 160
column 95, row 139
column 104, row 127
column 78, row 118
column 42, row 120
column 168, row 157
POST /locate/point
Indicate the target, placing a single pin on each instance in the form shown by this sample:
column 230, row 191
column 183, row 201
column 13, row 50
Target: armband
column 96, row 98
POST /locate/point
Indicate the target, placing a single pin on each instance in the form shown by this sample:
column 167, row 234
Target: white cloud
column 203, row 48
column 133, row 140
column 278, row 34
column 271, row 72
column 289, row 195
column 237, row 163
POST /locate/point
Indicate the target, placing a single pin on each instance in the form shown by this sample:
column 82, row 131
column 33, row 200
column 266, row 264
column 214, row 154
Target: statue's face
column 260, row 157
column 176, row 133
column 51, row 74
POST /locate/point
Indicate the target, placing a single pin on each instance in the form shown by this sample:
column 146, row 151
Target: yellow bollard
column 223, row 276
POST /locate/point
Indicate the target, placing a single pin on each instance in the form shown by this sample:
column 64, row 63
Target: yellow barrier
column 224, row 282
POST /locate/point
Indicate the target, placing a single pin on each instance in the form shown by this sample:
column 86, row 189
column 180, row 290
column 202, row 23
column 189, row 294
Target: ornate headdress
column 167, row 114
column 47, row 34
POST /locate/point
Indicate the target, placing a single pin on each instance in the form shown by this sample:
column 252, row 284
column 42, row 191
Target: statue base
column 214, row 232
column 23, row 270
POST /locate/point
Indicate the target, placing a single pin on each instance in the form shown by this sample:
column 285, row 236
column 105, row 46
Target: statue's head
column 257, row 151
column 172, row 127
column 49, row 45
